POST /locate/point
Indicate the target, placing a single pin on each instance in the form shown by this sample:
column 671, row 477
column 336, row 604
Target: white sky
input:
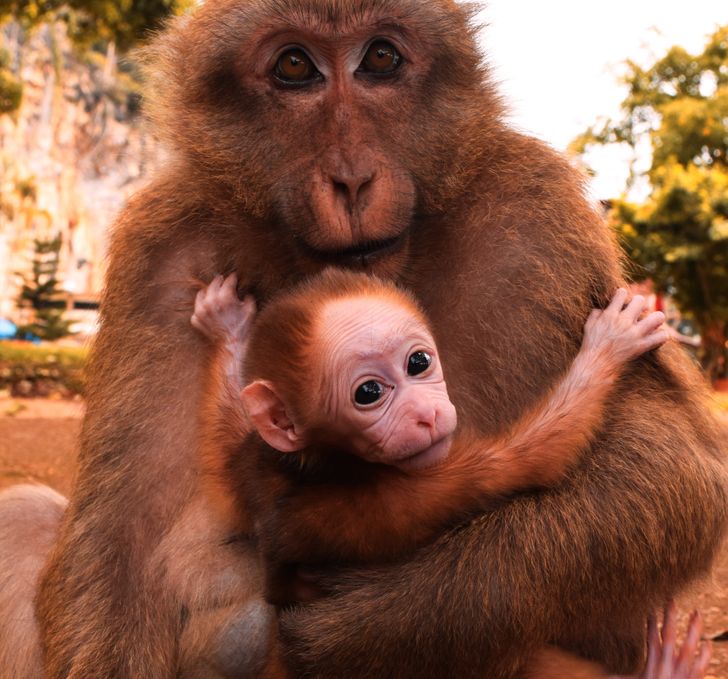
column 558, row 61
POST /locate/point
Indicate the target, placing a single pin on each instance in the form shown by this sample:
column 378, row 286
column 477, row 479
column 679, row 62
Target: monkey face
column 334, row 122
column 388, row 401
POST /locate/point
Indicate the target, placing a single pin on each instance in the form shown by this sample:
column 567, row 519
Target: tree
column 40, row 292
column 124, row 22
column 105, row 25
column 11, row 89
column 679, row 235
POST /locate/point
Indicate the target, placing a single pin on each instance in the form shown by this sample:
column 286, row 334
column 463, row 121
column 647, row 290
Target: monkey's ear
column 269, row 417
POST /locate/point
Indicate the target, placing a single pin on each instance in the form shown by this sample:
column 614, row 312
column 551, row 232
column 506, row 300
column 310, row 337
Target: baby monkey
column 342, row 378
column 364, row 461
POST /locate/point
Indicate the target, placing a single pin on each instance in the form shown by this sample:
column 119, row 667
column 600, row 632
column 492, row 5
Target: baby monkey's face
column 388, row 400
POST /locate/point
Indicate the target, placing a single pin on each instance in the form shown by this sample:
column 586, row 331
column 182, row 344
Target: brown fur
column 506, row 257
column 29, row 521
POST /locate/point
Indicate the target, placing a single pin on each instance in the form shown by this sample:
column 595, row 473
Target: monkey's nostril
column 427, row 420
column 341, row 188
column 351, row 188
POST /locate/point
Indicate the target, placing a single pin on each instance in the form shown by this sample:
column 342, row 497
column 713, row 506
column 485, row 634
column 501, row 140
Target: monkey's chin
column 428, row 457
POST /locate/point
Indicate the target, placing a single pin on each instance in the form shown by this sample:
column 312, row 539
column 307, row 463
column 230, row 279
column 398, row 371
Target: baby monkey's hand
column 220, row 315
column 618, row 333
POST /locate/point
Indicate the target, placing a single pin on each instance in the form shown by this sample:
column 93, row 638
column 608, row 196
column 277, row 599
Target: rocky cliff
column 69, row 156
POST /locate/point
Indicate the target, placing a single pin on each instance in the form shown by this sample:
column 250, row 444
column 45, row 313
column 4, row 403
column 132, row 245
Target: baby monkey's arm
column 541, row 446
column 226, row 321
column 402, row 510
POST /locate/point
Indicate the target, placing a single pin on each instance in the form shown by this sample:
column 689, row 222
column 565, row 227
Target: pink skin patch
column 408, row 419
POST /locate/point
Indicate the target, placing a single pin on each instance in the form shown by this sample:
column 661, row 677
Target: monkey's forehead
column 362, row 329
column 334, row 15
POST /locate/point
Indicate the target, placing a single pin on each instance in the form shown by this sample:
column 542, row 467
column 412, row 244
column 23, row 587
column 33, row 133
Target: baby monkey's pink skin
column 370, row 341
column 409, row 421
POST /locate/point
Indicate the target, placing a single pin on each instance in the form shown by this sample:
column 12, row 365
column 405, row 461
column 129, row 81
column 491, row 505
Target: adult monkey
column 365, row 133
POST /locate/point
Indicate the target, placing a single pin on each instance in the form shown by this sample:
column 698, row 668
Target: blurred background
column 635, row 92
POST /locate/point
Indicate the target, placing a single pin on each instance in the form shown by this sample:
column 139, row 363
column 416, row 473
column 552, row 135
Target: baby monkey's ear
column 268, row 414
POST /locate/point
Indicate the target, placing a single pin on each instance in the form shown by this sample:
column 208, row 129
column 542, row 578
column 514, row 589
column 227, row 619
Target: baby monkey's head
column 349, row 360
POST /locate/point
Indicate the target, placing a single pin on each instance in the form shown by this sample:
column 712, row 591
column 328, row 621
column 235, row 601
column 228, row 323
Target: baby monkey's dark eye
column 368, row 393
column 418, row 363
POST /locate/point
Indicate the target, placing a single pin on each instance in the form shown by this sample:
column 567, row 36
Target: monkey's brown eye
column 368, row 393
column 381, row 58
column 295, row 66
column 418, row 362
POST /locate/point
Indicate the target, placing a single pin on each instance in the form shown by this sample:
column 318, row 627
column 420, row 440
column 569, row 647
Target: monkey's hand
column 220, row 315
column 666, row 658
column 226, row 321
column 619, row 333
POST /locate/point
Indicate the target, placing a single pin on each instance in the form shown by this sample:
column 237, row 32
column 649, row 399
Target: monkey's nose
column 352, row 186
column 426, row 416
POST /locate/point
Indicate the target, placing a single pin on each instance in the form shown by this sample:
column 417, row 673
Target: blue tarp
column 7, row 329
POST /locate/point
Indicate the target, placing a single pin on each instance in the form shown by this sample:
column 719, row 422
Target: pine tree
column 40, row 291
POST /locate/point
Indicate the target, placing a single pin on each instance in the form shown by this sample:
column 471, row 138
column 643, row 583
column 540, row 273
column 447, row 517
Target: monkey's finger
column 690, row 645
column 248, row 305
column 654, row 647
column 229, row 287
column 593, row 316
column 669, row 635
column 653, row 341
column 216, row 284
column 701, row 666
column 634, row 308
column 200, row 300
column 651, row 322
column 615, row 306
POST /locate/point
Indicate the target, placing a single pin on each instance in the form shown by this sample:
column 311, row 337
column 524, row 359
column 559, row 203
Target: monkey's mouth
column 428, row 457
column 358, row 255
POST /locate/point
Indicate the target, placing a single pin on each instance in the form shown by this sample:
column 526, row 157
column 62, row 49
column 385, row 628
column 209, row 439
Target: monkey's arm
column 226, row 322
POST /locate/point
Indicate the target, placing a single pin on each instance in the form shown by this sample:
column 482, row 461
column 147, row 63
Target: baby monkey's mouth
column 429, row 457
column 355, row 256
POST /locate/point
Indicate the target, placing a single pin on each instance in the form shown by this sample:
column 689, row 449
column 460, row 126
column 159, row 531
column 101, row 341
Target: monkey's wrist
column 230, row 345
column 599, row 366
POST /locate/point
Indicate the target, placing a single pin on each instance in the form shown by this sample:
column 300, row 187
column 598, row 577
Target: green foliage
column 26, row 369
column 679, row 236
column 11, row 92
column 126, row 22
column 11, row 89
column 40, row 292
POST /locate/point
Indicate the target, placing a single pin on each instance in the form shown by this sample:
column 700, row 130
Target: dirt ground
column 38, row 444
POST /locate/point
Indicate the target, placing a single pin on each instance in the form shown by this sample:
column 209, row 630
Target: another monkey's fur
column 492, row 231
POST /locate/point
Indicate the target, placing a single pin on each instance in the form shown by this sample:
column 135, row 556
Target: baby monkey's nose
column 426, row 415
